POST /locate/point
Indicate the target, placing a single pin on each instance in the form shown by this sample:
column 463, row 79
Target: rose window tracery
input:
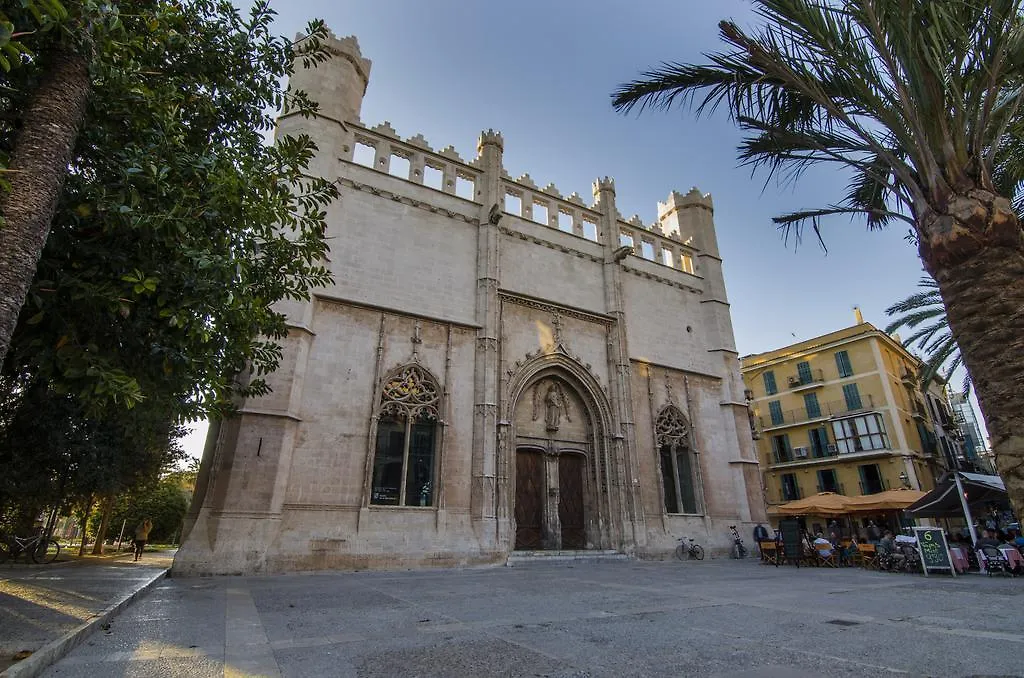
column 410, row 393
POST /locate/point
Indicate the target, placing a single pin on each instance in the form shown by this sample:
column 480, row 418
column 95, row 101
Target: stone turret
column 692, row 215
column 337, row 86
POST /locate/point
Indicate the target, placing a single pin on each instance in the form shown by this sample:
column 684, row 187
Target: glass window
column 859, row 434
column 819, row 442
column 790, row 488
column 769, row 383
column 406, row 450
column 678, row 463
column 781, row 449
column 775, row 409
column 803, row 370
column 827, row 481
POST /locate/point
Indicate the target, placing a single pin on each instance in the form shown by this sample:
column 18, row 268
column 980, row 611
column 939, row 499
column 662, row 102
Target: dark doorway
column 570, row 501
column 529, row 499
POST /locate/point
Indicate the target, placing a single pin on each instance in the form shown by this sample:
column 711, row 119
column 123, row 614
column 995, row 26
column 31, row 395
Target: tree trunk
column 86, row 510
column 101, row 534
column 39, row 162
column 979, row 266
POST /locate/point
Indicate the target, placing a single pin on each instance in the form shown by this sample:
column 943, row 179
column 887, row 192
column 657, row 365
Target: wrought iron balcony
column 802, row 382
column 827, row 410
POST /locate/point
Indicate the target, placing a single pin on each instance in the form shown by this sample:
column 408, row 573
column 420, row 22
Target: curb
column 48, row 654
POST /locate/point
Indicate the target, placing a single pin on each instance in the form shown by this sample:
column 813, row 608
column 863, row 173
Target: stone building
column 496, row 367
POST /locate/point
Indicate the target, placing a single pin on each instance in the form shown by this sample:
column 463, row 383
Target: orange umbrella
column 890, row 500
column 821, row 504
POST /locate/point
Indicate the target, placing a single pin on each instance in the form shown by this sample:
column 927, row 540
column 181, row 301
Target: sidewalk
column 40, row 604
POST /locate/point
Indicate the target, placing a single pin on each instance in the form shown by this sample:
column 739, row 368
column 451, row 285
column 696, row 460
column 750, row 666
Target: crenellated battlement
column 382, row 148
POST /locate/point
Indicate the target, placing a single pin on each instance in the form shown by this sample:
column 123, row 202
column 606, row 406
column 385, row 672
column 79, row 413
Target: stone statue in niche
column 550, row 397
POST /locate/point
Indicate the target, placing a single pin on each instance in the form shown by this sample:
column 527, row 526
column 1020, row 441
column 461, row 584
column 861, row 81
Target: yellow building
column 844, row 413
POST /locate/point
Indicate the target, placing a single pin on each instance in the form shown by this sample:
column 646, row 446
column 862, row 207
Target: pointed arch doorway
column 554, row 470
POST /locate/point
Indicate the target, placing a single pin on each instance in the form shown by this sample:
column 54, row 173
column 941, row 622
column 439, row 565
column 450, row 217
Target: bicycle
column 738, row 549
column 42, row 551
column 689, row 550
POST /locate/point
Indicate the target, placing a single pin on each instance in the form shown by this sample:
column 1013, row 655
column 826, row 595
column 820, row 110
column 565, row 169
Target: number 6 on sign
column 931, row 543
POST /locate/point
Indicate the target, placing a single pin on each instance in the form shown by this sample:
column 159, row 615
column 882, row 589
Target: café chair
column 994, row 560
column 868, row 555
column 826, row 555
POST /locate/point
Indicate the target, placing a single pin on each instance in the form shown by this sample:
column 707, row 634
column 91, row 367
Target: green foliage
column 55, row 454
column 20, row 22
column 180, row 227
column 925, row 315
column 164, row 502
column 920, row 99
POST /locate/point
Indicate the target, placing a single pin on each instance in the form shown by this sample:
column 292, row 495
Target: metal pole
column 967, row 510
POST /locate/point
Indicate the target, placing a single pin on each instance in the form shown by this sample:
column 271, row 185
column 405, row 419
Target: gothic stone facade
column 496, row 367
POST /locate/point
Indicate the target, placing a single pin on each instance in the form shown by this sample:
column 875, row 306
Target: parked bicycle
column 688, row 549
column 738, row 549
column 40, row 549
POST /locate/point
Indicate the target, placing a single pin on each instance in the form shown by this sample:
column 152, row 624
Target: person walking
column 142, row 536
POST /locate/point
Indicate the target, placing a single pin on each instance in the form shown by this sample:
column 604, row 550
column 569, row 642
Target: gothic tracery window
column 407, row 436
column 678, row 464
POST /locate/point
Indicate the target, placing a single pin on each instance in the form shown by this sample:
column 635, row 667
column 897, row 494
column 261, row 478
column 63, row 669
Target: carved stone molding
column 555, row 309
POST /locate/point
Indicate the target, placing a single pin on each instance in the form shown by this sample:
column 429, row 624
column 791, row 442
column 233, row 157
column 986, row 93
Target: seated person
column 820, row 544
column 887, row 544
column 1018, row 541
column 989, row 539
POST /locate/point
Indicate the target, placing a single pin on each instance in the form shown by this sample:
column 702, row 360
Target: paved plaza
column 624, row 618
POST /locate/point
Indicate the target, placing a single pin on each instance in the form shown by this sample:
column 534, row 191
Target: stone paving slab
column 42, row 604
column 584, row 619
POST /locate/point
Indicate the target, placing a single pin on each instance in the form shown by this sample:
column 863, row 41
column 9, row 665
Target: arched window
column 407, row 437
column 678, row 477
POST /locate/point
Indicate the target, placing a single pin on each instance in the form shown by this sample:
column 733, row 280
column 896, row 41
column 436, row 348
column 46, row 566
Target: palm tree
column 933, row 337
column 920, row 100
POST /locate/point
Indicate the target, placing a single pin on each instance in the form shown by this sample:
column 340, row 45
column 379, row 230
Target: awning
column 943, row 502
column 821, row 504
column 890, row 500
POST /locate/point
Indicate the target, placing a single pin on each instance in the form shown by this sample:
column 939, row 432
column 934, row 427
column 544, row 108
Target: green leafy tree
column 178, row 227
column 164, row 502
column 924, row 314
column 920, row 100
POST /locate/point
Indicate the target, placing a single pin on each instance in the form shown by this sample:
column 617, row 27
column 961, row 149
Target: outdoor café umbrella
column 821, row 504
column 890, row 500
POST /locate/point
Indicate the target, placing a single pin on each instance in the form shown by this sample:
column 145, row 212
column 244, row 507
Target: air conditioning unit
column 794, row 381
column 800, row 452
column 833, row 448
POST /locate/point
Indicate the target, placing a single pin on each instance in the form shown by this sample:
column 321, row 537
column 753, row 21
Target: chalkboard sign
column 931, row 544
column 792, row 546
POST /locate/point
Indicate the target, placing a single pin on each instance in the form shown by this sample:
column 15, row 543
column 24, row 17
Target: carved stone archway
column 556, row 426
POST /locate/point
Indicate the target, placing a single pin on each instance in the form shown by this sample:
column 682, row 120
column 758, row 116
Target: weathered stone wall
column 490, row 304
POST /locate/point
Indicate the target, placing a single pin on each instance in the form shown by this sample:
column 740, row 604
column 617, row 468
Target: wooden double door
column 550, row 500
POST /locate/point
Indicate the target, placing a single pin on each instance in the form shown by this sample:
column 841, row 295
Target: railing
column 826, row 410
column 837, row 488
column 789, row 496
column 651, row 243
column 873, row 488
column 812, row 379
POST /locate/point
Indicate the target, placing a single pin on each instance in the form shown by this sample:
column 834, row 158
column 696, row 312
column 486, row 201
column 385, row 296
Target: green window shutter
column 843, row 364
column 775, row 409
column 863, row 480
column 811, row 405
column 769, row 383
column 852, row 396
column 803, row 370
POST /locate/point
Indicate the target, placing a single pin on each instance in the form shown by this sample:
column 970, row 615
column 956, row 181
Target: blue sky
column 541, row 73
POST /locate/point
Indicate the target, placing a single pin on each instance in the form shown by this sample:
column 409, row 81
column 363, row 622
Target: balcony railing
column 873, row 488
column 835, row 487
column 791, row 495
column 825, row 410
column 798, row 381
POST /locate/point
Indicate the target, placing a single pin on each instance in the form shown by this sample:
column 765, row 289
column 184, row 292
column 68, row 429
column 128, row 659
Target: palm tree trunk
column 979, row 266
column 39, row 163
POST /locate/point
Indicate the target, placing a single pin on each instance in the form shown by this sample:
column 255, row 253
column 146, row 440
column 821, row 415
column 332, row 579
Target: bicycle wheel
column 681, row 552
column 697, row 552
column 45, row 552
column 5, row 550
